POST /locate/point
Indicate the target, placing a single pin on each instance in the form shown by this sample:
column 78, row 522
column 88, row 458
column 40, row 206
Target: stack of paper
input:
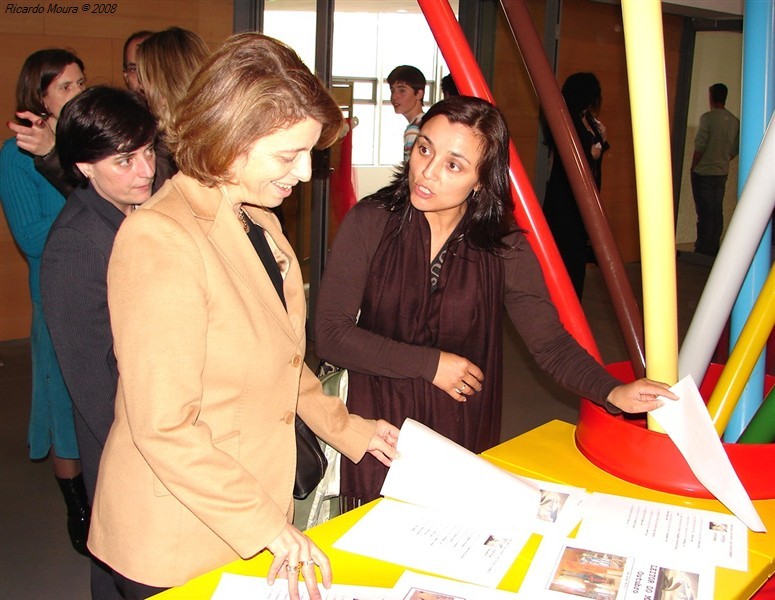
column 448, row 511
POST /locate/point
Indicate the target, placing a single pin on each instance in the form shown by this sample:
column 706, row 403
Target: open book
column 435, row 472
column 450, row 512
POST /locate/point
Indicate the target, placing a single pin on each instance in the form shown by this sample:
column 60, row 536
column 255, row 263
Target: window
column 367, row 46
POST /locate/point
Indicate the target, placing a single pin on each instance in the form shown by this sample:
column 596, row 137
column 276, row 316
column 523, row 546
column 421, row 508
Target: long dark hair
column 100, row 122
column 581, row 92
column 38, row 71
column 490, row 214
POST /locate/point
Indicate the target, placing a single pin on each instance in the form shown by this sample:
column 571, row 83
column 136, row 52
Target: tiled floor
column 36, row 560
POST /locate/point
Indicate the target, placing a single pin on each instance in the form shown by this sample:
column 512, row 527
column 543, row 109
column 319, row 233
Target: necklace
column 243, row 220
column 240, row 213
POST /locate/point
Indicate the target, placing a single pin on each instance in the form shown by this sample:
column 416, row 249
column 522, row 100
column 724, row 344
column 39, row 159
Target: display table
column 548, row 453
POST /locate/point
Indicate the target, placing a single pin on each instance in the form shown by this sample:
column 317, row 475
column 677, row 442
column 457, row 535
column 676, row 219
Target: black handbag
column 311, row 461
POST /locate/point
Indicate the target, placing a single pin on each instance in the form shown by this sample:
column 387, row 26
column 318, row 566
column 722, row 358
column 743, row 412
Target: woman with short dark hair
column 105, row 141
column 208, row 313
column 48, row 79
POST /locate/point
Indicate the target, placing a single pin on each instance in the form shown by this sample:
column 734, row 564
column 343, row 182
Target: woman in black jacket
column 105, row 142
column 583, row 96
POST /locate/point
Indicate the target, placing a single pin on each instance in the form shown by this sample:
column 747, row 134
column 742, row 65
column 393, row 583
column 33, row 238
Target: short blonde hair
column 166, row 63
column 251, row 87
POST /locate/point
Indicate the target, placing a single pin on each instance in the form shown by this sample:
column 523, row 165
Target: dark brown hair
column 39, row 70
column 100, row 122
column 718, row 93
column 144, row 34
column 491, row 205
column 409, row 75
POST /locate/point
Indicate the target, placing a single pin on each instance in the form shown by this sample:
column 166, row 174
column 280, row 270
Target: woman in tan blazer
column 208, row 314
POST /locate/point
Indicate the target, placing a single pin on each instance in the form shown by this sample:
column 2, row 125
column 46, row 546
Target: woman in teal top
column 49, row 78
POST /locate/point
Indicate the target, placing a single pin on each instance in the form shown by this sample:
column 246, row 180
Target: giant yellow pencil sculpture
column 644, row 46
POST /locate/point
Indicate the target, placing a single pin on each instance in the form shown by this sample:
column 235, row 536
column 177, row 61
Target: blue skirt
column 51, row 413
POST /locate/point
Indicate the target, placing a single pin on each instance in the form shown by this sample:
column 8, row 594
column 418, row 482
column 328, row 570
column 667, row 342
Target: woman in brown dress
column 413, row 293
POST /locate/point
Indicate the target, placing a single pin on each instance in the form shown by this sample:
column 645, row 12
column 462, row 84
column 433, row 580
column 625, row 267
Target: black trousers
column 708, row 192
column 103, row 586
column 133, row 590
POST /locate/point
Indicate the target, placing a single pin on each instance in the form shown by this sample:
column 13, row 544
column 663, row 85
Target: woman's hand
column 383, row 443
column 294, row 554
column 38, row 139
column 458, row 376
column 640, row 396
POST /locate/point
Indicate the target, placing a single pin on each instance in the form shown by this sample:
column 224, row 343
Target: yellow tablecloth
column 548, row 453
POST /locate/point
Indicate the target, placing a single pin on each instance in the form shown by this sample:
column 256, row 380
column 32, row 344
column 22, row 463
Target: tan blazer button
column 289, row 416
column 296, row 362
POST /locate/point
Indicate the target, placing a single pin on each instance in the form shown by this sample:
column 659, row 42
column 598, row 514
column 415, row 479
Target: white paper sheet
column 570, row 569
column 435, row 472
column 414, row 586
column 676, row 533
column 560, row 507
column 436, row 542
column 688, row 424
column 244, row 587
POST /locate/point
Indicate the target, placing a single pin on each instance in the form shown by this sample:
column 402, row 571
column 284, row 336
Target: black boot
column 78, row 512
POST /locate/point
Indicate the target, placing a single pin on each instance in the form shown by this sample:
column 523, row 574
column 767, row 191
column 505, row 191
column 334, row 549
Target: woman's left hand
column 38, row 139
column 295, row 554
column 640, row 396
column 383, row 443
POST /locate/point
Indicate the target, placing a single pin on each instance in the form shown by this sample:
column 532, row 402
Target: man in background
column 448, row 87
column 715, row 145
column 407, row 90
column 130, row 59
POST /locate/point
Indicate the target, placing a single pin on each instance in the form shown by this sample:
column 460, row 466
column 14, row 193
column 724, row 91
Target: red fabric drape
column 342, row 180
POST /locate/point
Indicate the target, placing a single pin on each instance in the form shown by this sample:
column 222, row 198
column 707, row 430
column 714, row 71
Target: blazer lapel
column 225, row 233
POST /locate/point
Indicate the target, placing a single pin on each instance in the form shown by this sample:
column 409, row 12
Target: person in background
column 448, row 87
column 413, row 292
column 208, row 314
column 105, row 140
column 583, row 96
column 407, row 90
column 41, row 142
column 48, row 79
column 36, row 131
column 130, row 59
column 166, row 63
column 715, row 145
column 172, row 58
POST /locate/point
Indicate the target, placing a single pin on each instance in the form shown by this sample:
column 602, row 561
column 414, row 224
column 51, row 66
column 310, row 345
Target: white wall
column 370, row 179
